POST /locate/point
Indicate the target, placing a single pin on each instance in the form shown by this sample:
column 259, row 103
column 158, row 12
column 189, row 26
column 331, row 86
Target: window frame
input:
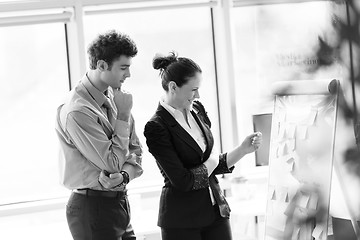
column 71, row 13
column 38, row 12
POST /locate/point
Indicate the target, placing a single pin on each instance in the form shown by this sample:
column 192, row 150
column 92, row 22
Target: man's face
column 119, row 71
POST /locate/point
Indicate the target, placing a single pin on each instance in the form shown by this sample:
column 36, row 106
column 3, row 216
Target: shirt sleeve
column 90, row 139
column 160, row 146
column 134, row 164
column 222, row 166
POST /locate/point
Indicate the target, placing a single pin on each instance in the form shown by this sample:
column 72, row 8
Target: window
column 186, row 31
column 34, row 78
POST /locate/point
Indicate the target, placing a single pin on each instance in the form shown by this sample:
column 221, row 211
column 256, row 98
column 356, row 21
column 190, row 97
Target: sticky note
column 296, row 157
column 282, row 115
column 330, row 227
column 303, row 201
column 289, row 211
column 281, row 131
column 296, row 234
column 300, row 213
column 280, row 150
column 313, row 203
column 318, row 231
column 282, row 194
column 291, row 163
column 312, row 116
column 269, row 209
column 302, row 132
column 279, row 223
column 285, row 150
column 287, row 199
column 290, row 130
column 291, row 144
column 273, row 194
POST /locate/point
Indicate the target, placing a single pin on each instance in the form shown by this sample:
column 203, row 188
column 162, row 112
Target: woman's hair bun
column 162, row 62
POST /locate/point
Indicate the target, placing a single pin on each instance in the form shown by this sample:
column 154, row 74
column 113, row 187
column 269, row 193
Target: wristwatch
column 126, row 177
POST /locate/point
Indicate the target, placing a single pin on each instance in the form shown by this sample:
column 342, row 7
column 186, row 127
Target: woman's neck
column 171, row 102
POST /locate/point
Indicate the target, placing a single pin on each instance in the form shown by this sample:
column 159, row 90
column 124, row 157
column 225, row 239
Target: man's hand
column 124, row 102
column 134, row 159
column 110, row 181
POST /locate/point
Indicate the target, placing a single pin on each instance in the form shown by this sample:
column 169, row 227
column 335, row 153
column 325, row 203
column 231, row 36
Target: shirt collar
column 98, row 96
column 174, row 112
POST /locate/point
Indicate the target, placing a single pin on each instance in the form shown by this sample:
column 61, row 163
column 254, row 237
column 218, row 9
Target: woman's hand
column 252, row 142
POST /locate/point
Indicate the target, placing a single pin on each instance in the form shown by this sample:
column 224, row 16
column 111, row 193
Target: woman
column 192, row 205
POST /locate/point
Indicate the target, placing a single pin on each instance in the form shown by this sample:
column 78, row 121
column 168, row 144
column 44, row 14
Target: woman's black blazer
column 185, row 199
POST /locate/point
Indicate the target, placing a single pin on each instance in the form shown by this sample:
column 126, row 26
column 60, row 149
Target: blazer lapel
column 206, row 132
column 175, row 127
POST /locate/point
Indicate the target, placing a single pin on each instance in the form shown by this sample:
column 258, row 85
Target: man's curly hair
column 110, row 46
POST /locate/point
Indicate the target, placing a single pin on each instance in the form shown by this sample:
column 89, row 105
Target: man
column 101, row 152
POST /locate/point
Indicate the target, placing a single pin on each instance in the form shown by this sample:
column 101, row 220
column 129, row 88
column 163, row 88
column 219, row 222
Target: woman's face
column 185, row 95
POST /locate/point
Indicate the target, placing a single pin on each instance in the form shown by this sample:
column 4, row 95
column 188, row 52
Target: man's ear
column 102, row 65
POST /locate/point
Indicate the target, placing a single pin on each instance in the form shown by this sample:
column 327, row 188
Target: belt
column 98, row 193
